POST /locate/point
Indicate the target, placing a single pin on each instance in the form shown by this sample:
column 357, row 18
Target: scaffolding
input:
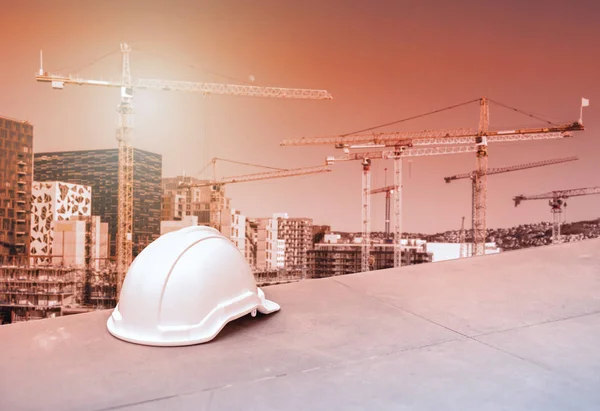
column 43, row 286
column 328, row 260
column 31, row 291
column 280, row 276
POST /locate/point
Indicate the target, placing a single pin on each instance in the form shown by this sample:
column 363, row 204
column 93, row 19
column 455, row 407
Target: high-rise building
column 16, row 169
column 270, row 250
column 297, row 236
column 283, row 243
column 99, row 169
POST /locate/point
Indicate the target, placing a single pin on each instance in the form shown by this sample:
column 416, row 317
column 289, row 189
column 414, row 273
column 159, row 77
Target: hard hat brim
column 200, row 333
column 266, row 306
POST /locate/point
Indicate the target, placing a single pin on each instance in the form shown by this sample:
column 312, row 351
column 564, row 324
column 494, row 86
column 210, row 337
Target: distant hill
column 521, row 236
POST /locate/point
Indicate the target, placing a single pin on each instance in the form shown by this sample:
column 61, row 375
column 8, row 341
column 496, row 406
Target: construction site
column 355, row 206
column 516, row 329
column 75, row 277
column 50, row 281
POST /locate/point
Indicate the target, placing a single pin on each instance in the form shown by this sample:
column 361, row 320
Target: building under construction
column 33, row 292
column 75, row 275
column 327, row 260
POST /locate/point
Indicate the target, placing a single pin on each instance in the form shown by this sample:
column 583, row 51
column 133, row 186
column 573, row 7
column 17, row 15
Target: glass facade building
column 100, row 170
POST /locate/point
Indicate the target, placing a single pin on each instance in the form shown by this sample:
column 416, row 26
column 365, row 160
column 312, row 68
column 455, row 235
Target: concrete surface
column 514, row 331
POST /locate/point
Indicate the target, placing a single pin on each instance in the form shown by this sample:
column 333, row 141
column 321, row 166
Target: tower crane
column 473, row 176
column 462, row 239
column 480, row 138
column 402, row 144
column 388, row 190
column 556, row 203
column 217, row 185
column 365, row 158
column 125, row 131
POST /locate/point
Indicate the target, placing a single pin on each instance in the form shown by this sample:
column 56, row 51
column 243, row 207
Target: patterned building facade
column 16, row 150
column 52, row 202
column 99, row 170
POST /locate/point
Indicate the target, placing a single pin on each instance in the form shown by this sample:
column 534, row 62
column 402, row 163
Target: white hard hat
column 183, row 288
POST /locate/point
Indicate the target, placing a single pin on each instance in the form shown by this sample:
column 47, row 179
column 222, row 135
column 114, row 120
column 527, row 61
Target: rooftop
column 512, row 331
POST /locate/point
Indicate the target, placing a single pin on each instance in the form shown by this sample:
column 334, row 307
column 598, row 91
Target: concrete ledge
column 517, row 330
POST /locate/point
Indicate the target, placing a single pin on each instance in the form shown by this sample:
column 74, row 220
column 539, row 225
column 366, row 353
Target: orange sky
column 382, row 61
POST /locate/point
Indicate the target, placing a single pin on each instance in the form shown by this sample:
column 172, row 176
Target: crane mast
column 397, row 211
column 388, row 190
column 125, row 173
column 480, row 181
column 125, row 131
column 462, row 239
column 387, row 215
column 366, row 210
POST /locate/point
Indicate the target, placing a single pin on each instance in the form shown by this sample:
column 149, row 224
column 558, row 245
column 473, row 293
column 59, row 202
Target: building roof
column 96, row 150
column 16, row 120
column 517, row 330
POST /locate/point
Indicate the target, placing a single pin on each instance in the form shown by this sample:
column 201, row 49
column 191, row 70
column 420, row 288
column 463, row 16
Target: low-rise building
column 451, row 251
column 63, row 230
column 328, row 259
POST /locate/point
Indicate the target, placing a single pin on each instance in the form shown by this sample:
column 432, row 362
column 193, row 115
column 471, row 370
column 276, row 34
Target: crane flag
column 585, row 102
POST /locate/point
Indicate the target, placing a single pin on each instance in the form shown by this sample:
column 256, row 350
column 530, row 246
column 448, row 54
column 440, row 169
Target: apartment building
column 16, row 172
column 178, row 202
column 250, row 249
column 283, row 243
column 237, row 230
